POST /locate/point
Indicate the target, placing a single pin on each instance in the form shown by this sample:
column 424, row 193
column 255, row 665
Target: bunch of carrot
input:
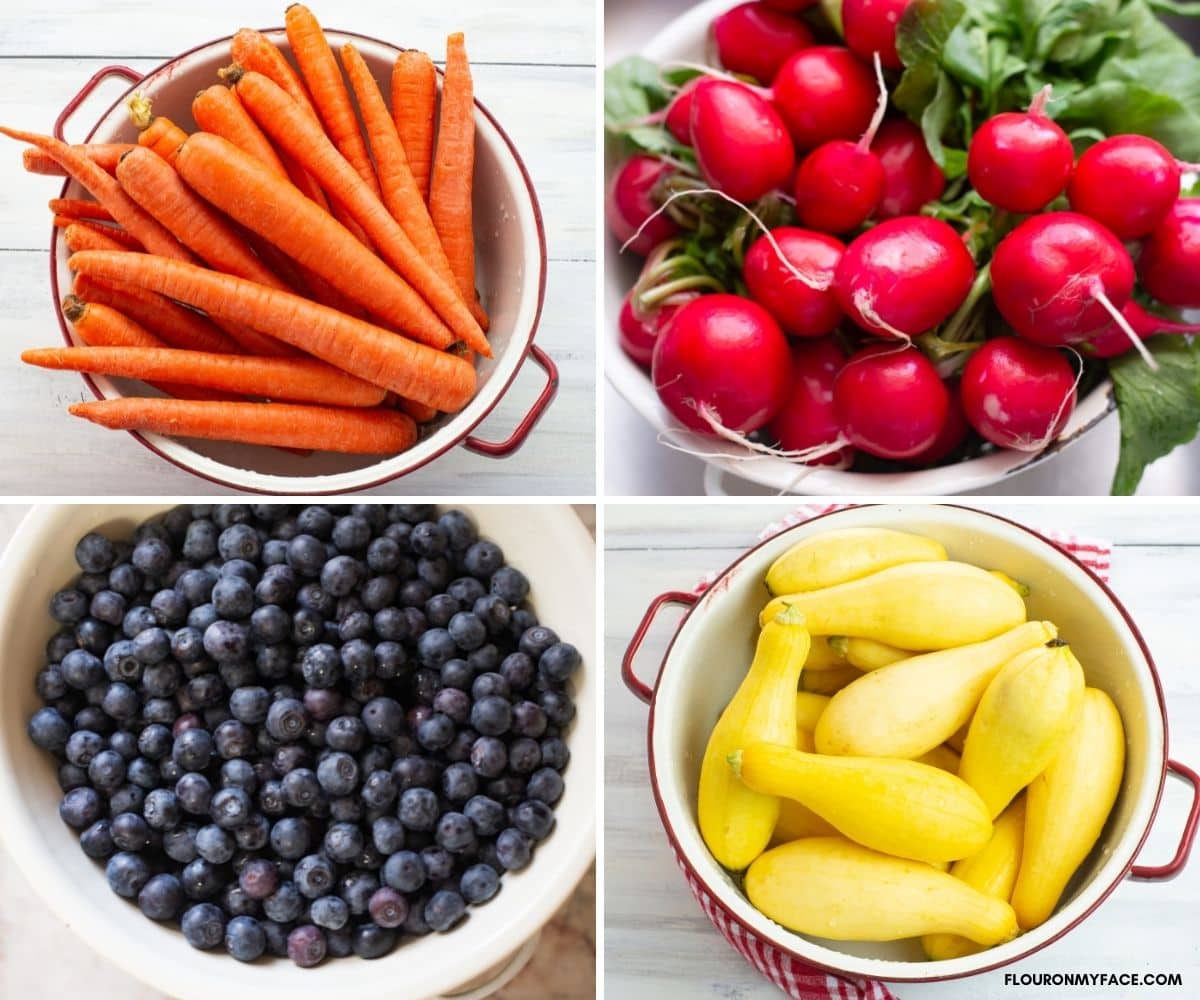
column 291, row 272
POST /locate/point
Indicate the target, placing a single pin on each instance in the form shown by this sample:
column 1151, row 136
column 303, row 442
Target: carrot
column 153, row 183
column 248, row 192
column 80, row 236
column 454, row 167
column 79, row 208
column 373, row 354
column 103, row 154
column 255, row 53
column 421, row 413
column 414, row 95
column 107, row 191
column 118, row 236
column 289, row 425
column 172, row 323
column 218, row 110
column 328, row 91
column 297, row 379
column 289, row 127
column 155, row 132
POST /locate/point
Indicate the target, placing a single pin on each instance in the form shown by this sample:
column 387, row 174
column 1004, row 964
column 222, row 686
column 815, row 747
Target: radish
column 890, row 401
column 953, row 433
column 631, row 202
column 741, row 143
column 807, row 420
column 679, row 112
column 801, row 310
column 904, row 276
column 640, row 332
column 754, row 39
column 824, row 93
column 840, row 183
column 1170, row 262
column 1112, row 341
column 1017, row 394
column 869, row 26
column 722, row 363
column 1059, row 277
column 1020, row 161
column 790, row 6
column 1126, row 182
column 911, row 177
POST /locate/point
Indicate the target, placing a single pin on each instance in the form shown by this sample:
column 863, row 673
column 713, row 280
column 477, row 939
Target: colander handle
column 499, row 449
column 132, row 75
column 639, row 687
column 1155, row 873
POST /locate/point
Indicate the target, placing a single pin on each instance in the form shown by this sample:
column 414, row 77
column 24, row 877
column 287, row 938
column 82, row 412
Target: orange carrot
column 373, row 354
column 255, row 53
column 248, row 192
column 289, row 425
column 328, row 91
column 79, row 208
column 171, row 323
column 414, row 96
column 421, row 413
column 153, row 183
column 80, row 236
column 296, row 379
column 155, row 132
column 218, row 110
column 289, row 127
column 103, row 154
column 107, row 191
column 111, row 233
column 454, row 167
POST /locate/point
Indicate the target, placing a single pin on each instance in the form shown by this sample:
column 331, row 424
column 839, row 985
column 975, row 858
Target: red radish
column 1126, row 182
column 631, row 202
column 1058, row 277
column 1017, row 394
column 790, row 6
column 722, row 360
column 801, row 310
column 904, row 276
column 1020, row 161
column 741, row 143
column 679, row 113
column 890, row 401
column 639, row 333
column 755, row 39
column 1111, row 341
column 870, row 26
column 824, row 93
column 1170, row 262
column 807, row 419
column 840, row 183
column 953, row 433
column 911, row 177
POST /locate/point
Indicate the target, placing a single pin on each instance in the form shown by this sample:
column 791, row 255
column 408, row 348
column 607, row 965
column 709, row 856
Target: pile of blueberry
column 304, row 731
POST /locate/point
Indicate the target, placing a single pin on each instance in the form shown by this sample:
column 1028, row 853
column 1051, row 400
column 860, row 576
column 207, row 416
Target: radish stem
column 868, row 137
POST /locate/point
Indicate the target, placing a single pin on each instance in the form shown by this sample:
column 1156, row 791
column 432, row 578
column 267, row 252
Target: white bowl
column 510, row 274
column 707, row 659
column 558, row 557
column 684, row 39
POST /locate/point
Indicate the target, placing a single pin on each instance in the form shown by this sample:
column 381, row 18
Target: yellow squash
column 823, row 656
column 832, row 888
column 912, row 706
column 899, row 807
column 920, row 606
column 941, row 756
column 809, row 707
column 795, row 820
column 992, row 870
column 1022, row 721
column 735, row 822
column 828, row 682
column 867, row 654
column 834, row 557
column 1069, row 804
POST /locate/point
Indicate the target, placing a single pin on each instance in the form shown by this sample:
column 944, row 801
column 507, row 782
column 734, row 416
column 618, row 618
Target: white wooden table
column 534, row 67
column 657, row 940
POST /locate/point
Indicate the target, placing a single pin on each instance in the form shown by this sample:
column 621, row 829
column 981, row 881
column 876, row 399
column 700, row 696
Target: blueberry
column 329, row 912
column 82, row 745
column 106, row 772
column 467, row 631
column 285, row 904
column 444, row 909
column 356, row 888
column 559, row 662
column 489, row 757
column 300, row 788
column 528, row 719
column 194, row 793
column 404, row 871
column 96, row 841
column 180, row 844
column 120, row 701
column 290, row 838
column 343, row 842
column 458, row 782
column 71, row 777
column 239, row 541
column 152, row 556
column 277, row 585
column 270, row 624
column 233, row 739
column 478, row 884
column 487, row 815
column 435, row 732
column 513, row 849
column 162, row 809
column 214, row 844
column 341, row 575
column 555, row 753
column 307, row 627
column 534, row 818
column 558, row 706
column 82, row 669
column 314, row 876
column 338, row 773
column 491, row 716
column 321, row 666
column 127, row 798
column 127, row 874
column 440, row 608
column 161, row 897
column 250, row 704
column 436, row 572
column 195, row 586
column 306, row 555
column 200, row 542
column 144, row 773
column 490, row 684
column 483, row 559
column 460, row 531
column 379, row 790
column 50, row 683
column 287, row 720
column 435, row 647
column 202, row 616
column 226, row 641
column 193, row 749
column 93, row 636
column 387, row 834
column 536, row 640
column 455, row 832
column 68, row 606
column 49, row 730
column 306, row 946
column 203, row 925
column 94, row 553
column 387, row 907
column 108, row 606
column 230, row 808
column 524, row 755
column 245, row 938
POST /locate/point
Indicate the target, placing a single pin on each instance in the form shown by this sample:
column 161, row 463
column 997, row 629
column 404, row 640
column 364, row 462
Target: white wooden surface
column 657, row 940
column 535, row 70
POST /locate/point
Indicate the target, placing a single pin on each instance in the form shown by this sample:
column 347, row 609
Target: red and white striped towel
column 799, row 979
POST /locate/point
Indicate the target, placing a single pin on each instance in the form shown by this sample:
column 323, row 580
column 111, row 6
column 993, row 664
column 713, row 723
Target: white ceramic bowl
column 550, row 546
column 715, row 641
column 684, row 39
column 510, row 274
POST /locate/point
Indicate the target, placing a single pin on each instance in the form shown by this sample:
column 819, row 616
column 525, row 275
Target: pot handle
column 640, row 688
column 1155, row 873
column 499, row 449
column 132, row 75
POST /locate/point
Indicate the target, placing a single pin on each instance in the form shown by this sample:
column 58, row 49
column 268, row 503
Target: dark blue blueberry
column 276, row 935
column 455, row 832
column 524, row 755
column 346, row 732
column 245, row 938
column 383, row 718
column 355, row 625
column 467, row 631
column 435, row 732
column 513, row 849
column 200, row 542
column 343, row 842
column 96, row 840
column 345, row 809
column 329, row 912
column 196, row 586
column 494, row 612
column 379, row 790
column 193, row 749
column 250, row 704
column 289, row 757
column 306, row 555
column 270, row 624
column 466, row 590
column 558, row 706
column 50, row 683
column 454, row 703
column 94, row 553
column 91, row 584
column 391, row 624
column 277, row 585
column 356, row 888
column 153, row 557
column 80, row 808
column 487, row 816
column 307, row 627
column 259, row 878
column 239, row 541
column 387, row 834
column 444, row 909
column 351, row 533
column 384, row 555
column 536, row 640
column 459, row 529
column 127, row 798
column 225, row 514
column 106, row 771
column 233, row 739
column 314, row 597
column 93, row 717
column 121, row 662
column 436, row 572
column 82, row 670
column 490, row 684
column 418, row 809
column 202, row 616
column 214, row 844
column 478, row 884
column 387, row 907
column 93, row 636
column 194, row 793
column 82, row 745
column 71, row 777
column 287, row 719
column 404, row 871
column 528, row 719
column 201, row 879
column 306, row 946
column 125, row 743
column 143, row 773
column 435, row 647
column 127, row 874
column 357, row 659
column 301, row 788
column 230, row 808
column 254, row 834
column 321, row 666
column 162, row 809
column 68, row 606
column 125, row 580
column 457, row 674
column 161, row 897
column 338, row 773
column 203, row 925
column 120, row 702
column 271, row 799
column 440, row 608
column 458, row 782
column 555, row 753
column 108, row 606
column 316, row 520
column 314, row 876
column 483, row 559
column 151, row 645
column 290, row 838
column 233, row 598
column 491, row 716
column 489, row 757
column 285, row 904
column 162, row 710
column 559, row 662
column 534, row 818
column 428, row 539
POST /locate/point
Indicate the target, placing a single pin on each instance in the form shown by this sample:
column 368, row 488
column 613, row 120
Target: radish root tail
column 1098, row 293
column 868, row 137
